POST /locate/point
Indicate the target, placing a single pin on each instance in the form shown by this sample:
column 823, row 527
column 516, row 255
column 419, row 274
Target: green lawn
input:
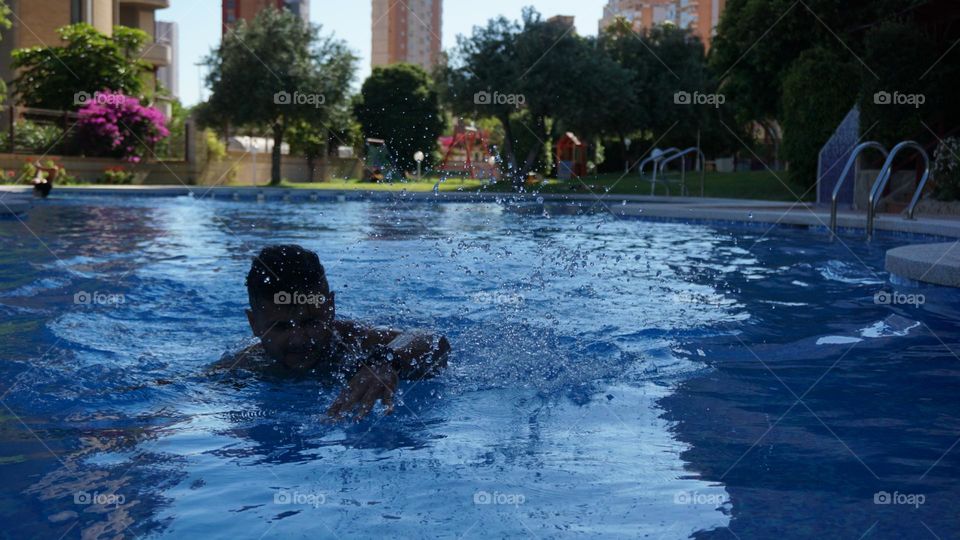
column 757, row 185
column 761, row 185
column 452, row 184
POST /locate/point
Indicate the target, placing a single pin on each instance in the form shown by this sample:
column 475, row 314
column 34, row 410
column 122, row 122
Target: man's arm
column 391, row 355
column 413, row 355
column 418, row 355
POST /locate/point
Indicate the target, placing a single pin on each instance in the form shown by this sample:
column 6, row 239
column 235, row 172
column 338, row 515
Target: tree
column 764, row 50
column 398, row 104
column 539, row 79
column 313, row 141
column 65, row 77
column 273, row 72
column 4, row 24
column 663, row 62
column 900, row 55
column 818, row 91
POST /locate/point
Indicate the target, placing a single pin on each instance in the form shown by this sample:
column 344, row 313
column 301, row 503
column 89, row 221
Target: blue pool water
column 610, row 378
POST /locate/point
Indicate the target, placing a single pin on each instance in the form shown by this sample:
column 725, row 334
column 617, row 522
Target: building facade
column 700, row 16
column 168, row 33
column 407, row 32
column 35, row 24
column 235, row 10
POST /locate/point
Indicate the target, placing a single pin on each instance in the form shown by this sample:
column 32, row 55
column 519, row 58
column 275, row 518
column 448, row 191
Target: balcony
column 158, row 54
column 152, row 4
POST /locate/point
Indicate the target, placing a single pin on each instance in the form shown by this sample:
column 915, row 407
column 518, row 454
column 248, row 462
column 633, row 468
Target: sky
column 350, row 20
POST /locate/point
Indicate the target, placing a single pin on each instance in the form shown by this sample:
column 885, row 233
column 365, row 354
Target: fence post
column 12, row 128
column 189, row 142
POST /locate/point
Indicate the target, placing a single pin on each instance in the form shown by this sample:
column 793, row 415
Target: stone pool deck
column 935, row 263
column 930, row 263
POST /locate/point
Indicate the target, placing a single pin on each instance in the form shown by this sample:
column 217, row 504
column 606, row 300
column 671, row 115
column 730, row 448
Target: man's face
column 300, row 336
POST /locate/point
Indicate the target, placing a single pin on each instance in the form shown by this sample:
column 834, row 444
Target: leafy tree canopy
column 398, row 104
column 57, row 77
column 273, row 72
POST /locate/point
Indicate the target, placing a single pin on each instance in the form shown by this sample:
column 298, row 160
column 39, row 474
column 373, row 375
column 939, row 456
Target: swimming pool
column 610, row 378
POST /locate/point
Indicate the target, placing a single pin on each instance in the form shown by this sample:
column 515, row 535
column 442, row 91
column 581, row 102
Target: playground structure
column 571, row 157
column 376, row 160
column 467, row 153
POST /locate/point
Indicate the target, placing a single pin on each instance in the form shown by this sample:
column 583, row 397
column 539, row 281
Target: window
column 76, row 11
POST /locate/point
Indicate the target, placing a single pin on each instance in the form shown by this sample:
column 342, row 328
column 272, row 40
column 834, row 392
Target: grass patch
column 425, row 185
column 755, row 185
column 750, row 185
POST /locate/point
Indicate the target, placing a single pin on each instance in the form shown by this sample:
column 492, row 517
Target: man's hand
column 371, row 383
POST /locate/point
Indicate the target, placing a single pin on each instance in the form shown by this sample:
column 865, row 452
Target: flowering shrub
column 946, row 170
column 117, row 175
column 115, row 125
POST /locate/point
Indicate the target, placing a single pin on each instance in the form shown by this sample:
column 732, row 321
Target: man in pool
column 292, row 311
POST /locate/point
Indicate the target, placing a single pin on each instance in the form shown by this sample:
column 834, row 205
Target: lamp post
column 492, row 162
column 418, row 157
column 626, row 153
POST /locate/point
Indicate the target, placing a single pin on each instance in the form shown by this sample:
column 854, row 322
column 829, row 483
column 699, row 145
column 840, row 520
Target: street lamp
column 626, row 153
column 418, row 157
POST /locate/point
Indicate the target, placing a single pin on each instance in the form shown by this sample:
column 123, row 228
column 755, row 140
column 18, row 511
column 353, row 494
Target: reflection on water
column 598, row 387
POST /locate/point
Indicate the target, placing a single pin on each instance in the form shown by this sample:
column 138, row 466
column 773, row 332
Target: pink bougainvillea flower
column 116, row 125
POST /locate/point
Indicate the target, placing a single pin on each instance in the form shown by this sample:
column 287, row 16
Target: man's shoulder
column 363, row 335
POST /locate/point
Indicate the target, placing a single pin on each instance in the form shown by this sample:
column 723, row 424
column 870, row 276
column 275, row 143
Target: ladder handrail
column 916, row 195
column 656, row 157
column 843, row 177
column 703, row 159
column 884, row 177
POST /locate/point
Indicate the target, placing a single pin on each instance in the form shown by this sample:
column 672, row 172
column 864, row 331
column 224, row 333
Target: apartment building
column 168, row 33
column 700, row 16
column 35, row 24
column 235, row 10
column 407, row 32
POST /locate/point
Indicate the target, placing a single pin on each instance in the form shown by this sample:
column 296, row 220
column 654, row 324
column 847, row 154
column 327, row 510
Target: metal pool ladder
column 843, row 178
column 884, row 177
column 656, row 159
column 683, row 168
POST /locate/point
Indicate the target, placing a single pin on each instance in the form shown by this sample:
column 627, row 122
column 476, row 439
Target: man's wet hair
column 289, row 269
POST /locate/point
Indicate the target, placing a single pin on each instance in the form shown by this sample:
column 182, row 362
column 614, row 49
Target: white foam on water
column 892, row 326
column 838, row 340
